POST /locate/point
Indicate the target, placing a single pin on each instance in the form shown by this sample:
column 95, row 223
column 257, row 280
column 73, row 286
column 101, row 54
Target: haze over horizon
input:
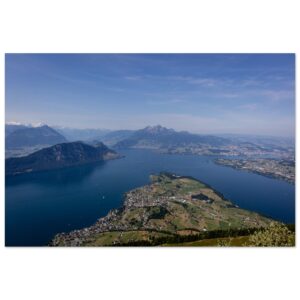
column 201, row 93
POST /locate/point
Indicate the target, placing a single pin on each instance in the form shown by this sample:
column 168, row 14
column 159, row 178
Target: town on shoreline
column 274, row 168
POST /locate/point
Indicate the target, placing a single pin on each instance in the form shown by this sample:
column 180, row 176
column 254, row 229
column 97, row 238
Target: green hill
column 59, row 156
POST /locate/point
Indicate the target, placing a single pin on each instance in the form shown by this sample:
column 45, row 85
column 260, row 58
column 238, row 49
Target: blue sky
column 201, row 93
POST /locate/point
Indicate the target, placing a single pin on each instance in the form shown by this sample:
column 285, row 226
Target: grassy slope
column 238, row 241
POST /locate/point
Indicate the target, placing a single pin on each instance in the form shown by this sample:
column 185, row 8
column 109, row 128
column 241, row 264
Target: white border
column 147, row 26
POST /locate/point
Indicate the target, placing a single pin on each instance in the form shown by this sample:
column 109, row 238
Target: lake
column 39, row 205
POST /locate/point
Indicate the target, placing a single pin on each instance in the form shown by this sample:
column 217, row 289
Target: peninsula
column 170, row 209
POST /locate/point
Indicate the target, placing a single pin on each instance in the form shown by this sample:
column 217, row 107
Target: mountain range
column 154, row 137
column 27, row 148
column 59, row 156
column 149, row 137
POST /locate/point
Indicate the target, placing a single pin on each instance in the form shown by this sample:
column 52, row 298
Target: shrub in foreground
column 276, row 235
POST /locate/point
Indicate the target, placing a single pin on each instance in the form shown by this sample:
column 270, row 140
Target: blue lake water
column 39, row 205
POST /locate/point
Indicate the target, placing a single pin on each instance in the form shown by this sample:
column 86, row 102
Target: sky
column 201, row 93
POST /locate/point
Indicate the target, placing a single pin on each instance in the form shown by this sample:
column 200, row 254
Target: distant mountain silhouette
column 10, row 128
column 161, row 137
column 75, row 134
column 31, row 136
column 59, row 156
column 116, row 136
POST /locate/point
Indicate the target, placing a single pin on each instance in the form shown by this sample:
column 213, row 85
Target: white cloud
column 166, row 101
column 207, row 82
column 249, row 106
column 133, row 77
column 278, row 96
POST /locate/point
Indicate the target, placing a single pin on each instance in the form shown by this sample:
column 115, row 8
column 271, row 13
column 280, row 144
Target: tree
column 276, row 235
column 224, row 242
